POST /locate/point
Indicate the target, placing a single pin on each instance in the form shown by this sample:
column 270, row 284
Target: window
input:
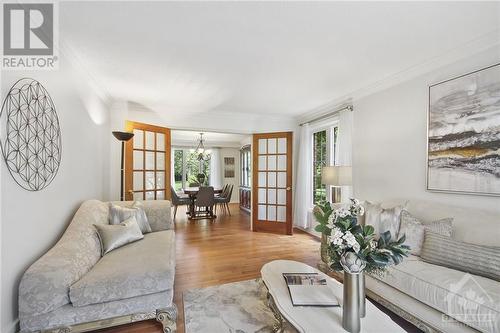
column 324, row 147
column 178, row 169
column 187, row 167
column 195, row 167
column 319, row 161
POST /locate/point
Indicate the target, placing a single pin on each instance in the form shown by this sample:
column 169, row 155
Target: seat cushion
column 141, row 268
column 471, row 299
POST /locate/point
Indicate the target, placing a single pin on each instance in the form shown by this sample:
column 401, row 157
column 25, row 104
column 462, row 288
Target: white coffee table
column 308, row 319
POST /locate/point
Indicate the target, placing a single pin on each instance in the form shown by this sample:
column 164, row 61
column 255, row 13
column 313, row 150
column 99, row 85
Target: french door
column 147, row 162
column 272, row 182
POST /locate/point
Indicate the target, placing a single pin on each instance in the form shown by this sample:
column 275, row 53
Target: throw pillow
column 383, row 219
column 414, row 230
column 115, row 236
column 118, row 214
column 475, row 259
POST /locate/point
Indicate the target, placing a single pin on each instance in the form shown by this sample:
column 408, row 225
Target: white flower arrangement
column 344, row 236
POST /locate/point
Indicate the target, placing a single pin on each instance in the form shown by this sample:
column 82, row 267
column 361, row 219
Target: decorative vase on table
column 362, row 295
column 353, row 272
column 349, row 243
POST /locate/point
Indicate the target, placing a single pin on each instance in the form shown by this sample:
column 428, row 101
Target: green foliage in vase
column 344, row 234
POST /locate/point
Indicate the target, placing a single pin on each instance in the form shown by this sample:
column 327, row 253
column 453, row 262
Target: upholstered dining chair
column 223, row 191
column 224, row 199
column 178, row 200
column 204, row 202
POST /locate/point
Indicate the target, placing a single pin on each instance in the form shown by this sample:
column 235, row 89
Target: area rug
column 239, row 307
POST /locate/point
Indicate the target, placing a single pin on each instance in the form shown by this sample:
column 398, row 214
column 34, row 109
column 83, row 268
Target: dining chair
column 223, row 191
column 204, row 202
column 224, row 200
column 178, row 200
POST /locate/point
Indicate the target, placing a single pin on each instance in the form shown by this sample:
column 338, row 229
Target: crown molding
column 469, row 49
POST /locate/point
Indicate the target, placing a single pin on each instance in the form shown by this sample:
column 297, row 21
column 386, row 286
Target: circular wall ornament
column 30, row 136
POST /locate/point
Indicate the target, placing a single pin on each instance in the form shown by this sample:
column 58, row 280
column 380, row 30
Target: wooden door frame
column 278, row 227
column 129, row 158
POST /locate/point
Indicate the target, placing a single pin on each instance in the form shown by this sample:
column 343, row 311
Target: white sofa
column 71, row 288
column 437, row 298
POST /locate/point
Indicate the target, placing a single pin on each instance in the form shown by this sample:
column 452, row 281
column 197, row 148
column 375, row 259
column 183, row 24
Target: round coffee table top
column 316, row 319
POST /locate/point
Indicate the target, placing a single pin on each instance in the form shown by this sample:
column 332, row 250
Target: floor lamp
column 337, row 176
column 123, row 137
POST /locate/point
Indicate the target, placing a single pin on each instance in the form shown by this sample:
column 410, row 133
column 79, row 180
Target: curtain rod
column 329, row 114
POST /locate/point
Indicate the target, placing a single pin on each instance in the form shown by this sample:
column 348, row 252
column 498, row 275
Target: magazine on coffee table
column 309, row 289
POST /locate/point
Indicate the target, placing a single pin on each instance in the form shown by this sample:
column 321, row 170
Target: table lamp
column 336, row 176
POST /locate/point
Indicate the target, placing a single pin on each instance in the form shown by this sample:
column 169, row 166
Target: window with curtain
column 324, row 147
column 187, row 167
column 319, row 161
column 178, row 168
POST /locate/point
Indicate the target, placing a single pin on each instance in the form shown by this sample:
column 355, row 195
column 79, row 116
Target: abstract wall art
column 229, row 167
column 463, row 148
column 30, row 136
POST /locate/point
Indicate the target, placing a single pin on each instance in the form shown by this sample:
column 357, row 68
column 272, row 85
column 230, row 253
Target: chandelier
column 201, row 152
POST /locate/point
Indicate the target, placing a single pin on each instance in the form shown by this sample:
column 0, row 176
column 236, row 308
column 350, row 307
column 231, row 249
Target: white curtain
column 344, row 147
column 172, row 169
column 215, row 168
column 303, row 186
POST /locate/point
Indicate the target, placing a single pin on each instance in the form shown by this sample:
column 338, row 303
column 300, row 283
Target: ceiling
column 212, row 139
column 269, row 58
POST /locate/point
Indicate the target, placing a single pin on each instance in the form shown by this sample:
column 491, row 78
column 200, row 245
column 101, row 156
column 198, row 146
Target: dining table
column 192, row 192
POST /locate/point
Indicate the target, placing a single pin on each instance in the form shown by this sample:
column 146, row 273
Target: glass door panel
column 147, row 163
column 272, row 182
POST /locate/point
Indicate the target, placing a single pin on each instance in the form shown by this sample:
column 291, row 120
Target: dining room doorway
column 206, row 158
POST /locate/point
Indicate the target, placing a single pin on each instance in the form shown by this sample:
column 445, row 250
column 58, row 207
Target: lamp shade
column 123, row 136
column 336, row 175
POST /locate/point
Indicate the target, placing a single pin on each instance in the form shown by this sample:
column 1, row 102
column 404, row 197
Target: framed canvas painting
column 228, row 167
column 463, row 141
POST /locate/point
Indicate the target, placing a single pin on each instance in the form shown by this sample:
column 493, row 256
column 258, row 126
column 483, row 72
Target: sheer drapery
column 303, row 186
column 215, row 168
column 344, row 147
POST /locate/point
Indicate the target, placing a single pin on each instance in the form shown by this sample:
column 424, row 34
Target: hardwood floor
column 225, row 250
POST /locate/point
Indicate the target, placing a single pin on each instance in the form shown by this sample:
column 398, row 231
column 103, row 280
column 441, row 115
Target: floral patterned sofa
column 71, row 288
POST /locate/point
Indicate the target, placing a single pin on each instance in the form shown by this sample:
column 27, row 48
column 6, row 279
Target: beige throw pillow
column 115, row 236
column 118, row 214
column 414, row 230
column 383, row 219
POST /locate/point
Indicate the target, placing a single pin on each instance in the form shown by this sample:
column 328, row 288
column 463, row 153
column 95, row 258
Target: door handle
column 289, row 188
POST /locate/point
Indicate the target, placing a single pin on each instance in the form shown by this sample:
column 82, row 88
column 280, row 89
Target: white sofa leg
column 167, row 317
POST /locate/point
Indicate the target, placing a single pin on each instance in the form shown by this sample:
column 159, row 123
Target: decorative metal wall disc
column 30, row 136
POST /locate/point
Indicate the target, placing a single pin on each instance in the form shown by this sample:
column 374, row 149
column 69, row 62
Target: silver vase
column 350, row 308
column 362, row 295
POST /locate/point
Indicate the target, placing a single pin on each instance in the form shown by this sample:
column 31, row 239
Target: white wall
column 33, row 221
column 389, row 140
column 235, row 153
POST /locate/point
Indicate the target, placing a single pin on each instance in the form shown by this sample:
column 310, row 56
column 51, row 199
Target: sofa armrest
column 45, row 285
